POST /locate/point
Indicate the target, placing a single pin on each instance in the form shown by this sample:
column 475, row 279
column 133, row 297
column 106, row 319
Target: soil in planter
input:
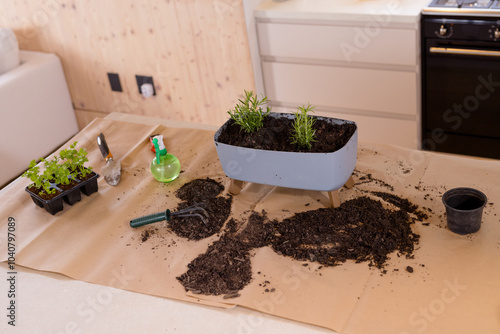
column 360, row 229
column 276, row 132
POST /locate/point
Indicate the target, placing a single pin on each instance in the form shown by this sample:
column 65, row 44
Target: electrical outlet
column 114, row 82
column 141, row 79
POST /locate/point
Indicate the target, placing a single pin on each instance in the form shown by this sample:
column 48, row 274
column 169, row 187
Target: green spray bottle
column 165, row 167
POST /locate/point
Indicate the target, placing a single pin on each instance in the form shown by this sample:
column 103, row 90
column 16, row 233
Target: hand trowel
column 112, row 170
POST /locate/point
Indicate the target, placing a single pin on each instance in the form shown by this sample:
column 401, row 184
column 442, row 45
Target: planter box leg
column 235, row 186
column 334, row 198
column 350, row 183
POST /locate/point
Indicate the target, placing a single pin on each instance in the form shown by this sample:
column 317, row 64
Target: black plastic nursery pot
column 70, row 196
column 464, row 209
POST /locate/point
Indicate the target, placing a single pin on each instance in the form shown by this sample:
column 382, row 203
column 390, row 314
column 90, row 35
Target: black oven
column 461, row 81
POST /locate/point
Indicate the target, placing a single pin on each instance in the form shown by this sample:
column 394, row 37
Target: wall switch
column 141, row 80
column 114, row 82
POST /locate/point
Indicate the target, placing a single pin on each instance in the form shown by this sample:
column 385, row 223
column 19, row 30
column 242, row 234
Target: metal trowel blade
column 112, row 172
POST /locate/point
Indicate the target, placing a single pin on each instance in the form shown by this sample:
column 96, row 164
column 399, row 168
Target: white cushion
column 9, row 50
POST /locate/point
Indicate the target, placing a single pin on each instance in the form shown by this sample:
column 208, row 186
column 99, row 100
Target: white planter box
column 312, row 171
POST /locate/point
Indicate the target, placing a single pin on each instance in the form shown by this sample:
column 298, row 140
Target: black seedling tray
column 70, row 196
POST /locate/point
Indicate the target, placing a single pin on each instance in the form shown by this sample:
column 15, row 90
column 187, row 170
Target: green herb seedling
column 74, row 160
column 303, row 134
column 56, row 172
column 248, row 113
column 59, row 170
column 42, row 181
column 32, row 173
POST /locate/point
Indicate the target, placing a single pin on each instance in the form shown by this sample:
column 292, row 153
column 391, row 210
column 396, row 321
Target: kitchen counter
column 92, row 243
column 395, row 12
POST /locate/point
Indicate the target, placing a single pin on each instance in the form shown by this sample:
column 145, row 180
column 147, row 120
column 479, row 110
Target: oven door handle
column 465, row 52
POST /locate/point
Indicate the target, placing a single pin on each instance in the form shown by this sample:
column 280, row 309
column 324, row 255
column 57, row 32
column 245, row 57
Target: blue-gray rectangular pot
column 299, row 170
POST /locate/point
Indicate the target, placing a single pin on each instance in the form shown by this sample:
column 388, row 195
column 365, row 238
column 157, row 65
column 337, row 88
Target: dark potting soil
column 71, row 184
column 276, row 132
column 204, row 193
column 198, row 190
column 368, row 178
column 193, row 228
column 225, row 268
column 42, row 194
column 360, row 229
column 402, row 203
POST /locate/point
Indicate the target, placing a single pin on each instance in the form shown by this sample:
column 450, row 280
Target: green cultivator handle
column 153, row 218
column 195, row 210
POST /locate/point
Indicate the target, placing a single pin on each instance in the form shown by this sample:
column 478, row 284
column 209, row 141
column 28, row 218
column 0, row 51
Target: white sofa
column 36, row 111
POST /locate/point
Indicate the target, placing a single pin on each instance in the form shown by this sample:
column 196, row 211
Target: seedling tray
column 70, row 196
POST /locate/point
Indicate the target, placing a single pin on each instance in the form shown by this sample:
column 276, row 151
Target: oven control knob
column 497, row 33
column 443, row 30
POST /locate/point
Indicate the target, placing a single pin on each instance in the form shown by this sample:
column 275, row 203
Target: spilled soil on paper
column 205, row 194
column 361, row 229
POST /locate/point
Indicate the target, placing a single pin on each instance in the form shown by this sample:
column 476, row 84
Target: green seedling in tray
column 40, row 181
column 74, row 160
column 60, row 169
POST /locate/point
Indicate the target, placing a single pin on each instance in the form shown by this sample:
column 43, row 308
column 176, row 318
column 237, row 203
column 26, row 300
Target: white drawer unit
column 401, row 132
column 344, row 88
column 363, row 44
column 365, row 73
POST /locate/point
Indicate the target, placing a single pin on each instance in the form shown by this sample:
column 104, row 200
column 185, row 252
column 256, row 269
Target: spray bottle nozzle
column 157, row 149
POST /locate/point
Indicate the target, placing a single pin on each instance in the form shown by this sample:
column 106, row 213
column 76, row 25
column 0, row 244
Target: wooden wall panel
column 196, row 51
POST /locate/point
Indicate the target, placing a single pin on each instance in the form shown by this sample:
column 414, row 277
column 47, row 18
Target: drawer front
column 341, row 87
column 372, row 129
column 369, row 43
column 384, row 130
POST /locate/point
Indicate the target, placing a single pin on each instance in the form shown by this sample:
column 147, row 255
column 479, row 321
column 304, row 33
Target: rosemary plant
column 248, row 113
column 303, row 134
